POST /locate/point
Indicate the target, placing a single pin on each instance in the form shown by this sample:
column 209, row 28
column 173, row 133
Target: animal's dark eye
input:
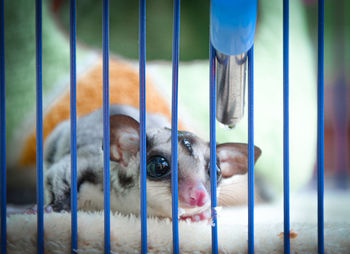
column 218, row 173
column 157, row 167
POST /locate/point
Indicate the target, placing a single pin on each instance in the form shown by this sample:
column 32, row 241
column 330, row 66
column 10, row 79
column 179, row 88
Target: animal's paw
column 34, row 210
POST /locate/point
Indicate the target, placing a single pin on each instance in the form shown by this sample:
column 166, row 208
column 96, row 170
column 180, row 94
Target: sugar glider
column 193, row 165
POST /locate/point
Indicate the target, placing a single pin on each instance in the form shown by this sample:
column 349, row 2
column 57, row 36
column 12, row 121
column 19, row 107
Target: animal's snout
column 194, row 194
column 199, row 198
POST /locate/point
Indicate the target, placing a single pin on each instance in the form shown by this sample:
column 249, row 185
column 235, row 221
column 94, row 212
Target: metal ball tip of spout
column 231, row 81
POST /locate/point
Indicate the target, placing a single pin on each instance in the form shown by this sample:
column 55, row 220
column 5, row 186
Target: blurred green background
column 194, row 32
column 124, row 18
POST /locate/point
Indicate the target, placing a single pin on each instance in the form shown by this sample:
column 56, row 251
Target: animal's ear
column 233, row 158
column 124, row 138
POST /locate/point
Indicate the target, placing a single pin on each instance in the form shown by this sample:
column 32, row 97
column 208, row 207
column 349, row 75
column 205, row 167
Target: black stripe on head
column 186, row 143
column 186, row 140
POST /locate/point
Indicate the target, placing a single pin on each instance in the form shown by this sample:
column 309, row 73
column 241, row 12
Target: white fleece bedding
column 194, row 237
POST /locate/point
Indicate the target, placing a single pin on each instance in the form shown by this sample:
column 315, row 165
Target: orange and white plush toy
column 123, row 87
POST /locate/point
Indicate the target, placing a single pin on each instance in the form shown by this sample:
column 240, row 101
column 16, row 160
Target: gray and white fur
column 193, row 165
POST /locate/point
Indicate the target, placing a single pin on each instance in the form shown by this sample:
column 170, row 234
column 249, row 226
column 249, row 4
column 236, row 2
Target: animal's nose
column 198, row 196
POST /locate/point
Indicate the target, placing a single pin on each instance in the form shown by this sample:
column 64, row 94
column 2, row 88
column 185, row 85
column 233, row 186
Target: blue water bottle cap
column 232, row 26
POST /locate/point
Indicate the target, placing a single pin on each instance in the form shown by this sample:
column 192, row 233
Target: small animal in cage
column 193, row 166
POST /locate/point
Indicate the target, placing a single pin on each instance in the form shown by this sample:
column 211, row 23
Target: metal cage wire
column 39, row 127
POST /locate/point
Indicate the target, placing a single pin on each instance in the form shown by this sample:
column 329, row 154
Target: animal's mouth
column 201, row 216
column 196, row 213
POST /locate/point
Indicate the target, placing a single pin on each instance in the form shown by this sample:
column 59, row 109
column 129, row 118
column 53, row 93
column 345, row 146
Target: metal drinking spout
column 232, row 31
column 230, row 87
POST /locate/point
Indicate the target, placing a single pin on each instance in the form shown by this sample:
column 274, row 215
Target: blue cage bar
column 73, row 125
column 320, row 128
column 106, row 148
column 251, row 150
column 286, row 208
column 39, row 128
column 143, row 154
column 212, row 94
column 174, row 136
